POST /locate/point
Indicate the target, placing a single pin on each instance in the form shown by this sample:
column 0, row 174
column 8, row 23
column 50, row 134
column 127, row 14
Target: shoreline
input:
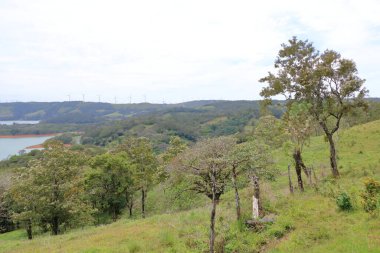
column 26, row 135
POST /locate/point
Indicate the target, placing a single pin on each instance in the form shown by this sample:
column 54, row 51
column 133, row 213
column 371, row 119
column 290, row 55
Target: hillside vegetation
column 91, row 112
column 305, row 222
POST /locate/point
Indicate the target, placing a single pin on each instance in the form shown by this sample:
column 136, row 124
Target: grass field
column 308, row 222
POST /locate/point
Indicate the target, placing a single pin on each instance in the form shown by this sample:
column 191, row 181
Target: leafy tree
column 51, row 192
column 241, row 158
column 6, row 222
column 260, row 167
column 327, row 81
column 23, row 201
column 299, row 126
column 176, row 146
column 140, row 153
column 270, row 130
column 110, row 182
column 206, row 167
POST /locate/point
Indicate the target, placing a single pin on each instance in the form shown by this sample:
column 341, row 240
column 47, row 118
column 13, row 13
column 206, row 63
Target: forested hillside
column 91, row 112
column 305, row 222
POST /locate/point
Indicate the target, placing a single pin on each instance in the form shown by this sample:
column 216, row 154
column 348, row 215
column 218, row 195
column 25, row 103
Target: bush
column 343, row 201
column 371, row 195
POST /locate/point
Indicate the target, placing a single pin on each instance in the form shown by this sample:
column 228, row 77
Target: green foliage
column 65, row 138
column 253, row 158
column 110, row 183
column 270, row 131
column 176, row 147
column 371, row 196
column 299, row 123
column 139, row 152
column 50, row 192
column 18, row 161
column 205, row 165
column 343, row 201
column 6, row 223
column 304, row 223
column 326, row 81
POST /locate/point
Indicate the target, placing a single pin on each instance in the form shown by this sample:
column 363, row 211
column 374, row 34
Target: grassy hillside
column 308, row 222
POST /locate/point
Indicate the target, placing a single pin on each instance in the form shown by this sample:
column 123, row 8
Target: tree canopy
column 327, row 81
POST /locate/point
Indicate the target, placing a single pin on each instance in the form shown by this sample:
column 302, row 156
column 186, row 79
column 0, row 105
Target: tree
column 327, row 81
column 270, row 130
column 206, row 167
column 299, row 126
column 260, row 167
column 22, row 201
column 109, row 183
column 6, row 223
column 176, row 146
column 240, row 159
column 51, row 192
column 140, row 153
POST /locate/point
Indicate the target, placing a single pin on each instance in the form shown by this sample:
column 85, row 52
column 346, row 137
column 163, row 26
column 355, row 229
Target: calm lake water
column 11, row 146
column 11, row 122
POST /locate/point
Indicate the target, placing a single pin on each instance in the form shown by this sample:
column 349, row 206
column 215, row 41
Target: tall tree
column 241, row 158
column 109, row 183
column 140, row 153
column 260, row 167
column 327, row 81
column 22, row 201
column 176, row 146
column 51, row 191
column 270, row 130
column 298, row 123
column 206, row 166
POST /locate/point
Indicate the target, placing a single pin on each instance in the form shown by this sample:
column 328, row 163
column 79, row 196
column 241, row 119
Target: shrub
column 133, row 247
column 371, row 195
column 343, row 201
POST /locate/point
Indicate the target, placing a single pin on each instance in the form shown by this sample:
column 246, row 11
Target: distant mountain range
column 91, row 112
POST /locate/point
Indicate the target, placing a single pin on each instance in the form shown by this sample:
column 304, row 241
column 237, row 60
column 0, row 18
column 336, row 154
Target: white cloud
column 173, row 50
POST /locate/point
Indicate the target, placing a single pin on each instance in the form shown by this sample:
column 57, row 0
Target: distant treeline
column 89, row 112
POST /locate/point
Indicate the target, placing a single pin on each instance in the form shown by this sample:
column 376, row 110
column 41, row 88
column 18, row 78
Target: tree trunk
column 55, row 225
column 29, row 229
column 213, row 213
column 130, row 207
column 290, row 181
column 256, row 202
column 114, row 213
column 237, row 198
column 143, row 195
column 129, row 200
column 333, row 163
column 298, row 162
column 329, row 135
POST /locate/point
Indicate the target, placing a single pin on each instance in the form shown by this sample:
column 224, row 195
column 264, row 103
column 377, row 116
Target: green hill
column 91, row 112
column 308, row 222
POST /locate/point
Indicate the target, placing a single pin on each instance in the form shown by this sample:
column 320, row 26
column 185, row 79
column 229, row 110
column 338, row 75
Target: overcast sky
column 171, row 51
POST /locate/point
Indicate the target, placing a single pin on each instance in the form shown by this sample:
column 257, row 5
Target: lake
column 11, row 146
column 11, row 122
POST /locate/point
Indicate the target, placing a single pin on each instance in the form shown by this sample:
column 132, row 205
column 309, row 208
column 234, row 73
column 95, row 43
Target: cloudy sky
column 172, row 51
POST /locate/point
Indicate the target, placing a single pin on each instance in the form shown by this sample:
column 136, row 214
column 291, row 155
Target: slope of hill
column 104, row 123
column 90, row 112
column 308, row 222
